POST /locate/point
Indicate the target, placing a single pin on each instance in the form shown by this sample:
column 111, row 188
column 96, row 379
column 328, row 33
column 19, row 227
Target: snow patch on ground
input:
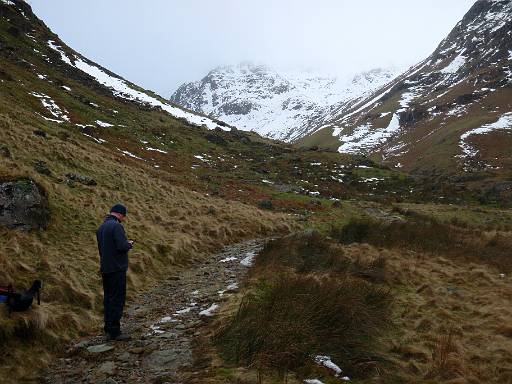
column 456, row 64
column 232, row 287
column 227, row 259
column 130, row 154
column 103, row 124
column 209, row 311
column 337, row 131
column 99, row 141
column 51, row 106
column 248, row 260
column 155, row 150
column 185, row 310
column 327, row 362
column 504, row 122
column 364, row 138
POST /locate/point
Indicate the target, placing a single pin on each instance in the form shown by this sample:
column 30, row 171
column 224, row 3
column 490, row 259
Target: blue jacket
column 112, row 245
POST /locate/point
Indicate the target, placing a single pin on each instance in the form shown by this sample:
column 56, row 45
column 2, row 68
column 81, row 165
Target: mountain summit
column 273, row 103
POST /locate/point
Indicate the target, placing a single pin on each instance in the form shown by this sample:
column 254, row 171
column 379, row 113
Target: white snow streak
column 122, row 89
column 104, row 124
column 504, row 122
column 52, row 107
column 456, row 64
column 155, row 150
column 209, row 312
column 249, row 259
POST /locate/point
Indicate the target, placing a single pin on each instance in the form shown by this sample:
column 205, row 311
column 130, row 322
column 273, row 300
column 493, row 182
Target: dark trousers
column 114, row 290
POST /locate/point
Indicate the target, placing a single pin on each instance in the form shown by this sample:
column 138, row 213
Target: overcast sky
column 161, row 44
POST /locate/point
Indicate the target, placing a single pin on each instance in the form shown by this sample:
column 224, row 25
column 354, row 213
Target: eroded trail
column 163, row 324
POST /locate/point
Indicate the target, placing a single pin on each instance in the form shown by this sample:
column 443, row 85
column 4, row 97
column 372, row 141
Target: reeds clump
column 286, row 321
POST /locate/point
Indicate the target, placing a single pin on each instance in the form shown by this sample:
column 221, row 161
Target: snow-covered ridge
column 120, row 88
column 276, row 104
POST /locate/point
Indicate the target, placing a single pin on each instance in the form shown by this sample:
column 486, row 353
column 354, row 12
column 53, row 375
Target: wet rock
column 216, row 139
column 70, row 183
column 266, row 204
column 168, row 359
column 412, row 116
column 82, row 344
column 137, row 350
column 40, row 133
column 42, row 168
column 23, row 205
column 4, row 151
column 286, row 188
column 85, row 180
column 101, row 348
column 124, row 357
column 167, row 335
column 245, row 140
column 107, row 368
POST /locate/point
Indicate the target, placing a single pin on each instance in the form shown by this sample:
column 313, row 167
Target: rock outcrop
column 23, row 205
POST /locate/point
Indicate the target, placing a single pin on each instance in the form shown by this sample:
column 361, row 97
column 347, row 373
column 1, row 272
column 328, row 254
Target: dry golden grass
column 451, row 315
column 452, row 319
column 173, row 226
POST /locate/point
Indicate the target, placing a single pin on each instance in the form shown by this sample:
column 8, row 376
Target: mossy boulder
column 23, row 205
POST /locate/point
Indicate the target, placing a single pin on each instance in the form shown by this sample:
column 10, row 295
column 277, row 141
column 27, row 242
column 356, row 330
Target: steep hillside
column 451, row 112
column 279, row 105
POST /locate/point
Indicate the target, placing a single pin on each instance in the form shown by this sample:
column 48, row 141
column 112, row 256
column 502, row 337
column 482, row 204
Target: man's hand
column 131, row 242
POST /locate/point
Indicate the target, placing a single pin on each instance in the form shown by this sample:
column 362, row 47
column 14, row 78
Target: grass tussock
column 425, row 234
column 283, row 323
column 307, row 299
column 306, row 253
column 312, row 252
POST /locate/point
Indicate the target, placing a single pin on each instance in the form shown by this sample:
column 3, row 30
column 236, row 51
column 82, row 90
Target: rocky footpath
column 163, row 324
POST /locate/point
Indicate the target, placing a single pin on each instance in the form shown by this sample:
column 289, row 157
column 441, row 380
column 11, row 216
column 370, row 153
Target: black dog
column 21, row 301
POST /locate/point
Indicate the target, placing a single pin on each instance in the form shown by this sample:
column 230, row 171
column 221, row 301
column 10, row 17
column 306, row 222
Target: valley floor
column 450, row 324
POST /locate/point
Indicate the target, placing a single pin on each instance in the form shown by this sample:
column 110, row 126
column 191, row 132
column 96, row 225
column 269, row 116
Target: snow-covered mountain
column 451, row 111
column 276, row 104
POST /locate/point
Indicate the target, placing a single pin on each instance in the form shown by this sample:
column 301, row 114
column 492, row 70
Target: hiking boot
column 120, row 337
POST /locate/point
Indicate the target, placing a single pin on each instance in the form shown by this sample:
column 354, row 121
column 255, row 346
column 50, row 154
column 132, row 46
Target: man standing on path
column 113, row 247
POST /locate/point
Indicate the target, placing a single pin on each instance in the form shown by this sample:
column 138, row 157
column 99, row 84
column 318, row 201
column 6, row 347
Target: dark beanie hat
column 119, row 208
